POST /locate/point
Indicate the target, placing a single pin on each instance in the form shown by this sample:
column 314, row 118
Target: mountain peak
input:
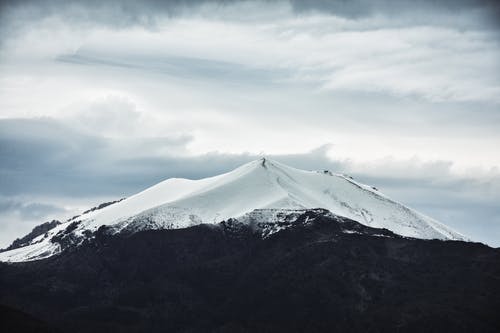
column 261, row 184
column 263, row 162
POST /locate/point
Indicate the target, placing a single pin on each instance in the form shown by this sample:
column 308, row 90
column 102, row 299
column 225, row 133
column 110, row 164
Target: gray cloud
column 126, row 12
column 45, row 156
column 16, row 15
column 18, row 215
column 363, row 8
column 28, row 210
column 182, row 67
column 443, row 56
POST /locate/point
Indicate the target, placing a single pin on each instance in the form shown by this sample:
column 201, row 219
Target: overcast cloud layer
column 99, row 100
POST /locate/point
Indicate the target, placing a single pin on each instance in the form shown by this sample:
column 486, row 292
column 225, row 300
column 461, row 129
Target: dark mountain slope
column 37, row 231
column 15, row 321
column 321, row 276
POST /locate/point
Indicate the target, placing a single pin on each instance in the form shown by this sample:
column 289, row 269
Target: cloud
column 27, row 210
column 122, row 13
column 410, row 10
column 47, row 156
column 109, row 116
column 446, row 53
column 18, row 215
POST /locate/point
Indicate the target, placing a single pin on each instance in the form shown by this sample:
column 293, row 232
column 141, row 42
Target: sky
column 99, row 100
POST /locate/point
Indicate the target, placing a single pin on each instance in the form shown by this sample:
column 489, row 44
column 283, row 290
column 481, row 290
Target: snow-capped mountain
column 260, row 188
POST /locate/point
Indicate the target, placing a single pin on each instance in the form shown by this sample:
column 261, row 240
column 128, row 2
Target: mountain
column 13, row 320
column 37, row 231
column 259, row 187
column 270, row 271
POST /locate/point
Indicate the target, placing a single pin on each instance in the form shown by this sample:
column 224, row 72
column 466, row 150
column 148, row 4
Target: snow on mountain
column 262, row 185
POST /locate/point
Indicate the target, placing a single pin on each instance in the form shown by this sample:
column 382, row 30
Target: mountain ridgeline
column 264, row 185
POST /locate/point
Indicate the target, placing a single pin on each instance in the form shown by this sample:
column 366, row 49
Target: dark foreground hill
column 323, row 276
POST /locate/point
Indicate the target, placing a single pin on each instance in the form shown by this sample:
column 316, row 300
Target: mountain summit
column 264, row 186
